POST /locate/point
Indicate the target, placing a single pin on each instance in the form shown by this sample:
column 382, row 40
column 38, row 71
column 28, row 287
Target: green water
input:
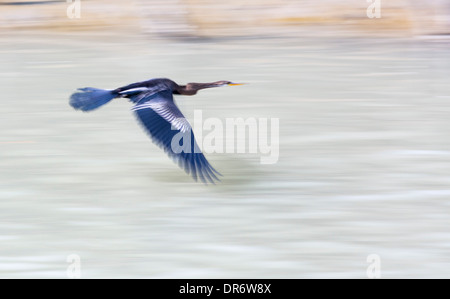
column 363, row 168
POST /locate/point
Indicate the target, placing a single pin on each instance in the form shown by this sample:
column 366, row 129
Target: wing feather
column 162, row 119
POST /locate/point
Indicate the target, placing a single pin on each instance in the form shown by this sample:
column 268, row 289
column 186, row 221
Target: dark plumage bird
column 156, row 110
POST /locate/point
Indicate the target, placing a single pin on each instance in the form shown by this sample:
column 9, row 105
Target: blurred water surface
column 363, row 167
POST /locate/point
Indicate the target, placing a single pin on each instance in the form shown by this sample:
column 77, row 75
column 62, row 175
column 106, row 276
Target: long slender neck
column 192, row 88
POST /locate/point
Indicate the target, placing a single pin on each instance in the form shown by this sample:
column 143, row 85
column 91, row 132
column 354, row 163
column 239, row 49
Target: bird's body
column 157, row 112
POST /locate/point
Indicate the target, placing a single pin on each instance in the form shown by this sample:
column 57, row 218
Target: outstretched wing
column 170, row 130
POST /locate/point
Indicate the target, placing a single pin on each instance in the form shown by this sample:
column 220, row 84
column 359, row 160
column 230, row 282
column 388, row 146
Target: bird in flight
column 156, row 110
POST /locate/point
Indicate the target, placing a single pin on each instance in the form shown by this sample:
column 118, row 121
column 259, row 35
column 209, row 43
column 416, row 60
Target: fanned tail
column 89, row 98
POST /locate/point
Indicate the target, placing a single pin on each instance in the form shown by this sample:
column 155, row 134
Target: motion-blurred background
column 361, row 90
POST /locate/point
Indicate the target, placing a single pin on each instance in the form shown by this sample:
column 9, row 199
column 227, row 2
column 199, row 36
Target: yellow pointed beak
column 234, row 84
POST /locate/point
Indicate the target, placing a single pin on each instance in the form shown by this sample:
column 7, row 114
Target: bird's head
column 225, row 83
column 192, row 88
